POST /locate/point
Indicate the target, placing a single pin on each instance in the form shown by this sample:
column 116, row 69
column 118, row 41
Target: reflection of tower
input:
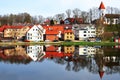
column 101, row 71
column 100, row 62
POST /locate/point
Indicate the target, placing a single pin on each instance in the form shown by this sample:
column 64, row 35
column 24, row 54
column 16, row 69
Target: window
column 84, row 34
column 67, row 36
column 92, row 31
column 84, row 31
column 33, row 29
column 84, row 49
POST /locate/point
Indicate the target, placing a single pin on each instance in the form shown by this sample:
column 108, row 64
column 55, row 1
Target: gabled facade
column 87, row 32
column 68, row 34
column 36, row 33
column 53, row 33
column 112, row 19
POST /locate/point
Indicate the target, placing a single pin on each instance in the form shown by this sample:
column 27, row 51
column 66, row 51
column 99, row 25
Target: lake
column 49, row 62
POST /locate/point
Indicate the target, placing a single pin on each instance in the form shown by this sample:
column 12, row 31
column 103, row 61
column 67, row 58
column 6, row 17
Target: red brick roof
column 101, row 6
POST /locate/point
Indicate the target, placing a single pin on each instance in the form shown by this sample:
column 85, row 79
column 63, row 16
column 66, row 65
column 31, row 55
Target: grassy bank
column 60, row 43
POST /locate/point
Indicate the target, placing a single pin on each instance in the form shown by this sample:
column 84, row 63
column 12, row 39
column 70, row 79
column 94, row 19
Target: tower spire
column 101, row 6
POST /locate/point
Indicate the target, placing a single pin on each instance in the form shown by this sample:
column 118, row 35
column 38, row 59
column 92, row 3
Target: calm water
column 59, row 62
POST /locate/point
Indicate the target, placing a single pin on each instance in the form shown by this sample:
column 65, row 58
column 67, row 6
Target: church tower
column 102, row 9
column 100, row 28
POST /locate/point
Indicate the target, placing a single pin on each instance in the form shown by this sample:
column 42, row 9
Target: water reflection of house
column 111, row 60
column 69, row 49
column 35, row 52
column 53, row 48
column 14, row 55
column 87, row 51
column 56, row 54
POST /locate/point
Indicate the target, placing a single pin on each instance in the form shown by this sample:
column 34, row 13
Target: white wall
column 35, row 33
column 87, row 32
column 87, row 51
column 34, row 51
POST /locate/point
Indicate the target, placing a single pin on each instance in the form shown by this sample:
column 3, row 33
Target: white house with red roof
column 36, row 33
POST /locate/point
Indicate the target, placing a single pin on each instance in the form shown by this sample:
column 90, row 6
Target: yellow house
column 69, row 49
column 69, row 35
column 16, row 32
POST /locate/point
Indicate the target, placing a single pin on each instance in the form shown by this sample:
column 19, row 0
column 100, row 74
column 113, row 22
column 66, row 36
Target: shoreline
column 61, row 43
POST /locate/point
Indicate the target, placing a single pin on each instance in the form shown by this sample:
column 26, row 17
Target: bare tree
column 41, row 19
column 76, row 13
column 68, row 12
column 94, row 13
column 59, row 17
column 84, row 16
column 112, row 10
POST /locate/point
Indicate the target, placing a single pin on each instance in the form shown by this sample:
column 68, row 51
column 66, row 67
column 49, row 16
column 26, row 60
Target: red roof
column 51, row 48
column 68, row 31
column 56, row 54
column 9, row 27
column 101, row 73
column 101, row 6
column 54, row 29
column 77, row 20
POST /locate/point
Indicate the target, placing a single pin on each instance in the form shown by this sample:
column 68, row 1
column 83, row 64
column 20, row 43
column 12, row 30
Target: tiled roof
column 68, row 31
column 101, row 6
column 53, row 29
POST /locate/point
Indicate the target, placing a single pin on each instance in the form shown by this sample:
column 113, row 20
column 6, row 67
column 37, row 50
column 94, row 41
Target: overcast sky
column 50, row 7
